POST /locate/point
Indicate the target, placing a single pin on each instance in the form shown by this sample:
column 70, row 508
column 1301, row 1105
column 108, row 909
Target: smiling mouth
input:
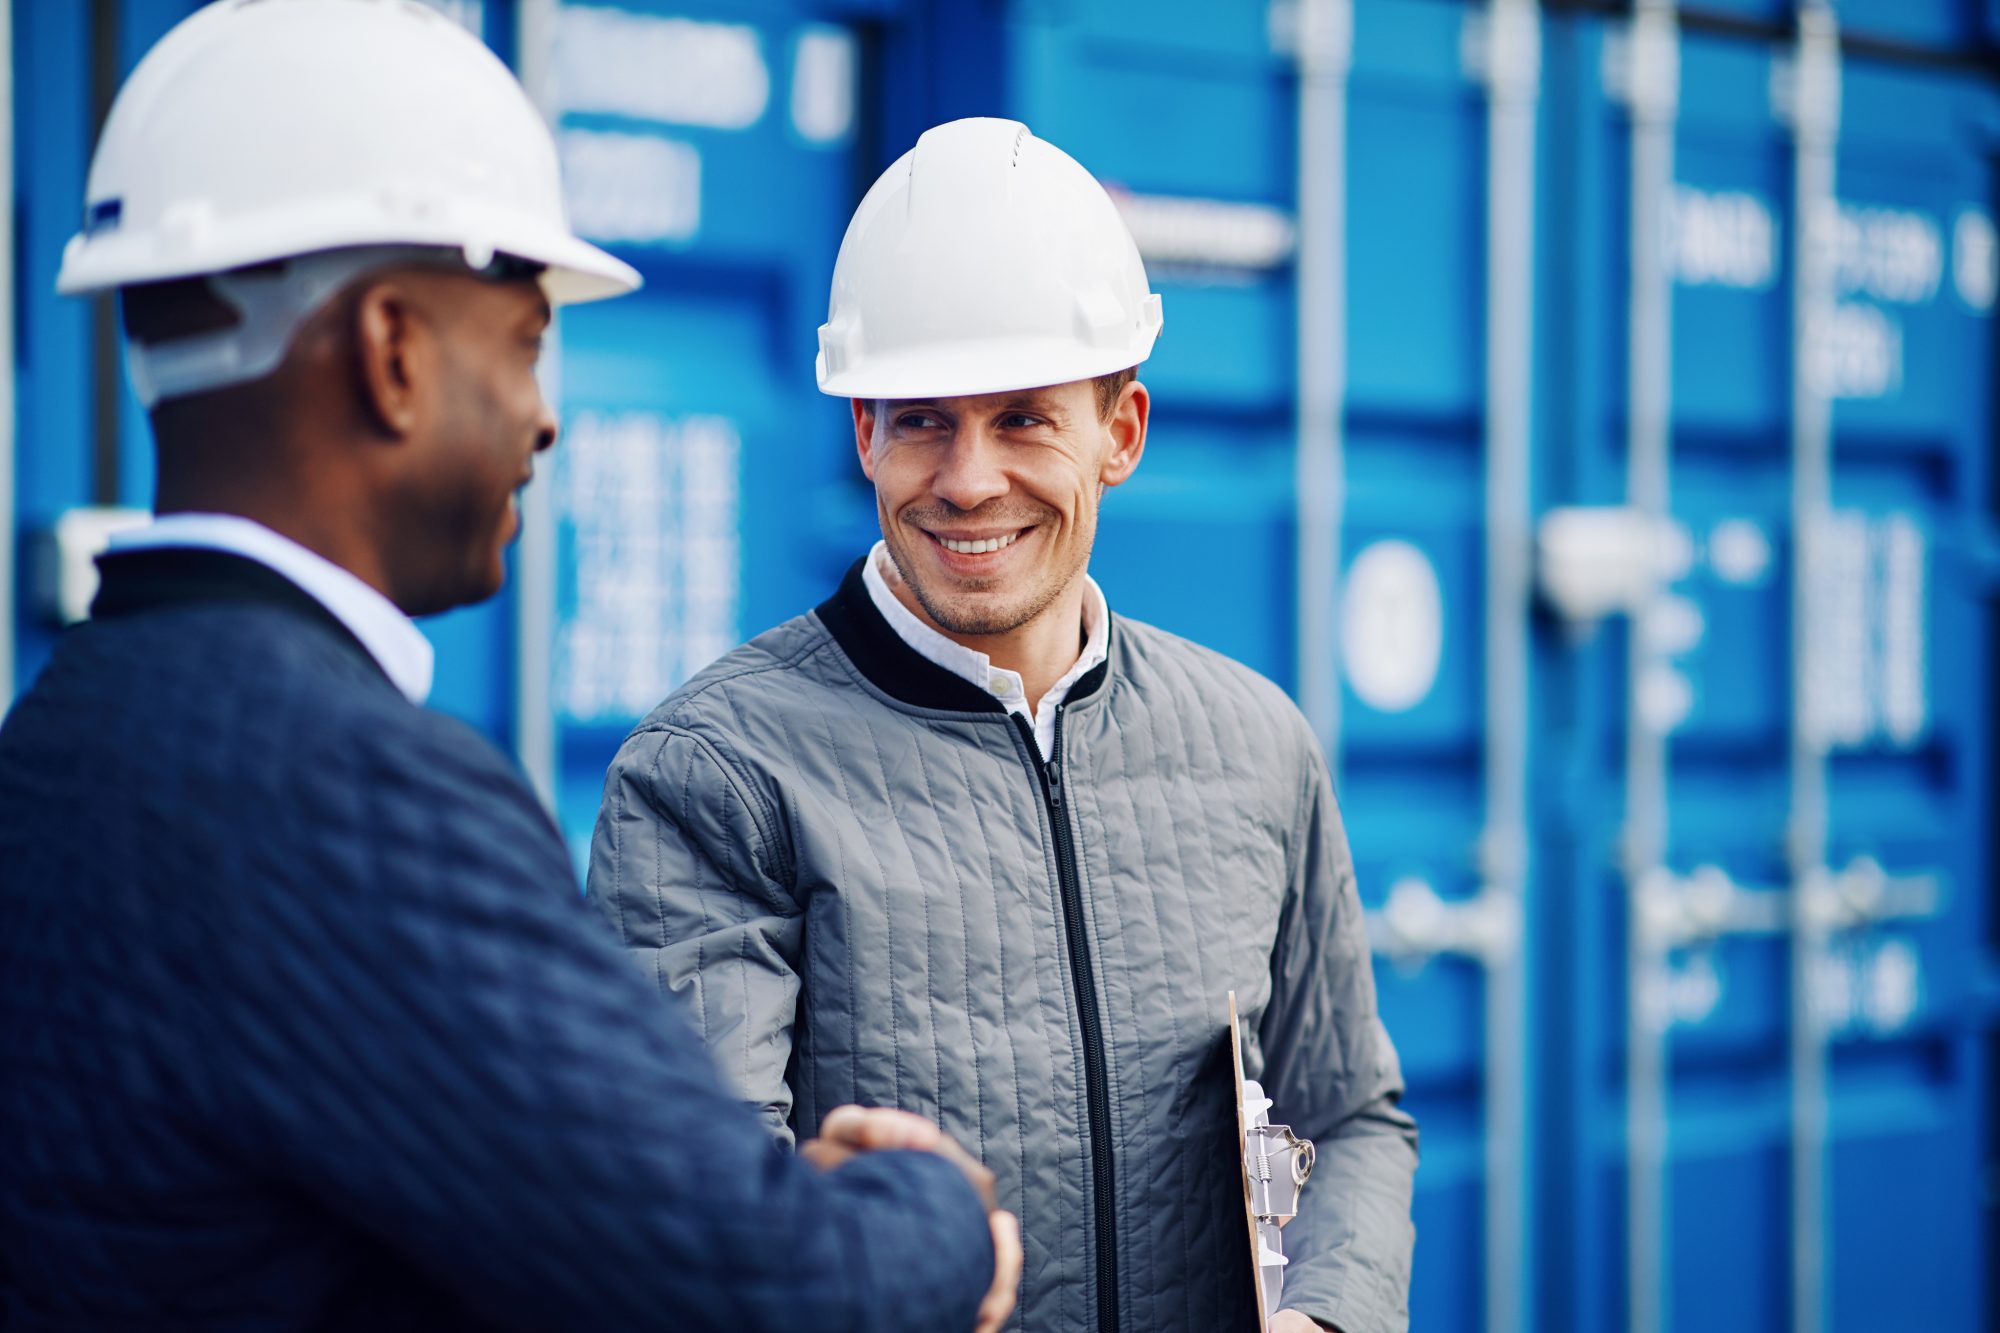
column 976, row 546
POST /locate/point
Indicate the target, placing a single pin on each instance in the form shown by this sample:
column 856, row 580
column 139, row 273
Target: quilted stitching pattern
column 302, row 1024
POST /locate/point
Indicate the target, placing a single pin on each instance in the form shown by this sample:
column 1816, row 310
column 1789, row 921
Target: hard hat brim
column 577, row 270
column 960, row 370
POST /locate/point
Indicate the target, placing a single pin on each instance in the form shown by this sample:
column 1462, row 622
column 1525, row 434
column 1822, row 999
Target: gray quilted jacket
column 868, row 887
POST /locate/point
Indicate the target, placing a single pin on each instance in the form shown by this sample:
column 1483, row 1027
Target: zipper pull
column 1055, row 758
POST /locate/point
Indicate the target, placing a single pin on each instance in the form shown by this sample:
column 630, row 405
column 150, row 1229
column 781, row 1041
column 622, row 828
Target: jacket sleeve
column 418, row 1025
column 1331, row 1070
column 684, row 863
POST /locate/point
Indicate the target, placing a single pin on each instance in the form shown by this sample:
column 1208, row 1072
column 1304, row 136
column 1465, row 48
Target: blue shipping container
column 1589, row 416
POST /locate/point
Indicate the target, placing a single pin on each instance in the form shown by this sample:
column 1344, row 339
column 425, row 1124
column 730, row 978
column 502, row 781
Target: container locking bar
column 1806, row 94
column 1502, row 45
column 1414, row 925
column 1677, row 912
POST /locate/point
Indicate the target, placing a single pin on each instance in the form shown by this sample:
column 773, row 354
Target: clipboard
column 1270, row 1194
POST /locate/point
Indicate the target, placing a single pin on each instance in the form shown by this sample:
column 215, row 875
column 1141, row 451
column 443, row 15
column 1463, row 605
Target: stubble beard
column 978, row 617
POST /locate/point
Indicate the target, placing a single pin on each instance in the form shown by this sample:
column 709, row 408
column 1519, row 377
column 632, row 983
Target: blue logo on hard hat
column 103, row 216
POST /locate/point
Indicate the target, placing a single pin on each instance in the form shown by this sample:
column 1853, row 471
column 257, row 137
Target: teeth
column 979, row 547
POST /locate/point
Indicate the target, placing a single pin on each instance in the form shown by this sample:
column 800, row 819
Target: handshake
column 849, row 1131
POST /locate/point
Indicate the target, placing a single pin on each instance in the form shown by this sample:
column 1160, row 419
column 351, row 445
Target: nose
column 545, row 427
column 970, row 472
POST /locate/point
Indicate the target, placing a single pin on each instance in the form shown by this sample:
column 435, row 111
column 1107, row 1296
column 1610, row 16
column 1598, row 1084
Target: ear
column 391, row 350
column 1127, row 429
column 864, row 434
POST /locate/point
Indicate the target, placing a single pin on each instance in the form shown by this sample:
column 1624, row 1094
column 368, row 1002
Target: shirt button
column 1000, row 687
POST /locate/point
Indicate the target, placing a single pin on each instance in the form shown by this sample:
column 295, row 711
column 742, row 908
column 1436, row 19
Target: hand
column 1291, row 1321
column 999, row 1302
column 849, row 1131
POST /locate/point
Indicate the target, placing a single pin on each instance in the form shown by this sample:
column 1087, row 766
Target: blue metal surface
column 704, row 490
column 1934, row 25
column 1912, row 452
column 52, row 141
column 1414, row 794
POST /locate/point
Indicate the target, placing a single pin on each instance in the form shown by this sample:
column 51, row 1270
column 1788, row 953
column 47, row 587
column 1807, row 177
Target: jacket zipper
column 1083, row 972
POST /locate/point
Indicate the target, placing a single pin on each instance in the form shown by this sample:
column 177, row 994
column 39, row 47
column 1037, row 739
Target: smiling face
column 989, row 503
column 485, row 422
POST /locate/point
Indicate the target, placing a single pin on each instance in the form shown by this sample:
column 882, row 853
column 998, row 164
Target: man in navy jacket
column 303, row 1023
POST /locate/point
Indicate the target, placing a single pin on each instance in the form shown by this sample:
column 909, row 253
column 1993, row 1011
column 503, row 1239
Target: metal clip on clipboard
column 1276, row 1165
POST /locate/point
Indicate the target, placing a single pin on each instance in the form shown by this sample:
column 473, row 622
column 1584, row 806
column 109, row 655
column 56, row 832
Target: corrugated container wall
column 1586, row 410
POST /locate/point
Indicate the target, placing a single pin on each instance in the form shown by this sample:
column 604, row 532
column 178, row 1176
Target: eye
column 1020, row 421
column 918, row 420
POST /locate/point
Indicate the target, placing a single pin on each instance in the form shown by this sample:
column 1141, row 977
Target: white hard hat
column 262, row 130
column 984, row 260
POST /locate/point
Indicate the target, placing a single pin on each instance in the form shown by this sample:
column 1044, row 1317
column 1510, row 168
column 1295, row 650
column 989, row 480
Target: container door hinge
column 1805, row 82
column 63, row 559
column 1501, row 48
column 1642, row 63
column 1317, row 34
column 1593, row 561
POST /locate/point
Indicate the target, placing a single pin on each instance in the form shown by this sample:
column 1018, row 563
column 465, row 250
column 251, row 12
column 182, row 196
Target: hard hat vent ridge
column 983, row 260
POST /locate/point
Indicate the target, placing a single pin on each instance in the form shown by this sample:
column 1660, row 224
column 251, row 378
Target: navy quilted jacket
column 303, row 1025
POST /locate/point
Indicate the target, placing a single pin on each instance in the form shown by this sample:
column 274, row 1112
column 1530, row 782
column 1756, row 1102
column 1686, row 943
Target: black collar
column 900, row 671
column 161, row 578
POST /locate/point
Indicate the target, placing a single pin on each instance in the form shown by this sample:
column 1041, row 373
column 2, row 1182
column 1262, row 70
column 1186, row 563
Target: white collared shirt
column 391, row 638
column 976, row 667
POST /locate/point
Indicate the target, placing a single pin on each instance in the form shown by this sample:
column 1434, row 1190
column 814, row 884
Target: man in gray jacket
column 960, row 841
